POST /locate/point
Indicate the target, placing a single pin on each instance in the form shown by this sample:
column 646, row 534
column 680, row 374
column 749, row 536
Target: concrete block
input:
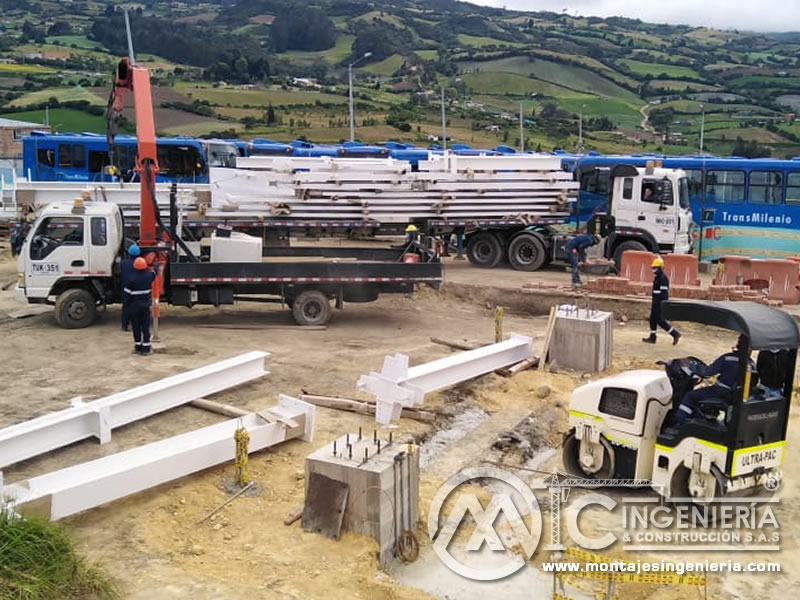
column 383, row 497
column 239, row 247
column 582, row 339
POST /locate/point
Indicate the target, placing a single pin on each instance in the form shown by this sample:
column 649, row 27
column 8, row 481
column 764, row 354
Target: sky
column 750, row 15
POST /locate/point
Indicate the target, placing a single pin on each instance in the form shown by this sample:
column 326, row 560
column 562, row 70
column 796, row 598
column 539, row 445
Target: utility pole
column 521, row 130
column 702, row 126
column 444, row 124
column 580, row 131
column 350, row 79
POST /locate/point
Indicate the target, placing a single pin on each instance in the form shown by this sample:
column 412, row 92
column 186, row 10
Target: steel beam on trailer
column 398, row 385
column 72, row 490
column 99, row 417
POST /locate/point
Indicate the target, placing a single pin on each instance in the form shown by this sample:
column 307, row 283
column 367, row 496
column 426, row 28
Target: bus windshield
column 683, row 192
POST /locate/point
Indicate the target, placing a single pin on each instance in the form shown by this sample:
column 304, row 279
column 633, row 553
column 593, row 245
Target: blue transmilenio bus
column 84, row 157
column 748, row 207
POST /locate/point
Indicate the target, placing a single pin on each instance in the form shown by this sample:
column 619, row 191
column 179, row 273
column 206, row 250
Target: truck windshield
column 683, row 192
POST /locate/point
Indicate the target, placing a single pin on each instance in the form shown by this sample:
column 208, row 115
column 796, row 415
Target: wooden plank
column 294, row 515
column 519, row 367
column 245, row 327
column 455, row 345
column 219, row 408
column 326, row 500
column 365, row 408
column 551, row 324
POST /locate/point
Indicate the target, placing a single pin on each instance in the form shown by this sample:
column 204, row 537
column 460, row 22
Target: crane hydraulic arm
column 128, row 77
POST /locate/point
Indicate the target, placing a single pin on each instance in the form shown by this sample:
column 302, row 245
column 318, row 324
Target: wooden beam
column 455, row 345
column 365, row 408
column 551, row 324
column 219, row 408
column 519, row 367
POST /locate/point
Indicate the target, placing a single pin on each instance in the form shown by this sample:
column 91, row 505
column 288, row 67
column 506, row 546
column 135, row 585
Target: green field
column 676, row 85
column 15, row 68
column 386, row 67
column 427, row 54
column 237, row 97
column 481, row 42
column 619, row 111
column 509, row 83
column 63, row 95
column 759, row 81
column 63, row 120
column 656, row 69
column 569, row 76
column 81, row 41
column 340, row 51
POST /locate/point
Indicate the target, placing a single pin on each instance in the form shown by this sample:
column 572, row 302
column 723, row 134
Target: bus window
column 766, row 187
column 595, row 182
column 78, row 156
column 179, row 161
column 695, row 182
column 725, row 186
column 97, row 161
column 46, row 157
column 627, row 188
column 793, row 188
column 64, row 156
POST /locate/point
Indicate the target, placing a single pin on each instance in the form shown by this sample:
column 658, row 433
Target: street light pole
column 521, row 131
column 702, row 126
column 444, row 124
column 350, row 80
column 580, row 131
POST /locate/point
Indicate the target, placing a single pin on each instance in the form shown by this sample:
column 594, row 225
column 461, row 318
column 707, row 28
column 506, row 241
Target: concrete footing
column 383, row 481
column 582, row 339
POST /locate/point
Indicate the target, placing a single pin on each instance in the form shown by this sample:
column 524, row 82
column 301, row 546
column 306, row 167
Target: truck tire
column 484, row 250
column 526, row 252
column 75, row 309
column 627, row 245
column 311, row 308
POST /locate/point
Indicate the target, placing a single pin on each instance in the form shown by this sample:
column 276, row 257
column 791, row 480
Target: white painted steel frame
column 99, row 417
column 75, row 489
column 398, row 385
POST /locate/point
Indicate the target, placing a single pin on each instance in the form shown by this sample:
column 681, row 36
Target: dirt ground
column 151, row 542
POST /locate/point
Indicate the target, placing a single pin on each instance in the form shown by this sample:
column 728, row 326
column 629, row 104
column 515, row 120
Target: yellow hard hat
column 411, row 229
column 658, row 263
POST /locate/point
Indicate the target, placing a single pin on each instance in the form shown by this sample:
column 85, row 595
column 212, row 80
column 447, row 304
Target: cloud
column 763, row 15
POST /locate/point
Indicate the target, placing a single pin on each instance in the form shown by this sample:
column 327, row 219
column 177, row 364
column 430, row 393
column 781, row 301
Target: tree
column 271, row 119
column 302, row 28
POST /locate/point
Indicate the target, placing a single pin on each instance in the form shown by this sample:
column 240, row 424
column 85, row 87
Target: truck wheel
column 75, row 309
column 526, row 252
column 484, row 250
column 311, row 308
column 628, row 245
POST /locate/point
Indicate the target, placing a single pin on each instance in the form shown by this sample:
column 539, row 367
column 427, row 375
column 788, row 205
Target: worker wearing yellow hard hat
column 660, row 293
column 411, row 233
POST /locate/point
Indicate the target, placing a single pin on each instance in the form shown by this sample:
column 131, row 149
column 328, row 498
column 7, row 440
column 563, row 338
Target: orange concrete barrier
column 682, row 269
column 784, row 279
column 733, row 270
column 636, row 265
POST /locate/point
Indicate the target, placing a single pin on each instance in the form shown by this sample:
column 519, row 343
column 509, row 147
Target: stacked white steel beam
column 36, row 194
column 525, row 188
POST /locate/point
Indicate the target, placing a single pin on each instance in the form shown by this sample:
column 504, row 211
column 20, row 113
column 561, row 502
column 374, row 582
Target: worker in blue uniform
column 138, row 295
column 727, row 369
column 125, row 271
column 576, row 253
column 660, row 294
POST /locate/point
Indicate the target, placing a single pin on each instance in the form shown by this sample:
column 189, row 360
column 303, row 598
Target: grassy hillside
column 217, row 67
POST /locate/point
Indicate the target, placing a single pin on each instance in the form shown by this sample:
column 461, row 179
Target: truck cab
column 71, row 246
column 650, row 211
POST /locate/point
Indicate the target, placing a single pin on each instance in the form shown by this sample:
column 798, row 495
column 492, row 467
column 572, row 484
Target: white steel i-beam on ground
column 72, row 490
column 99, row 417
column 398, row 385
